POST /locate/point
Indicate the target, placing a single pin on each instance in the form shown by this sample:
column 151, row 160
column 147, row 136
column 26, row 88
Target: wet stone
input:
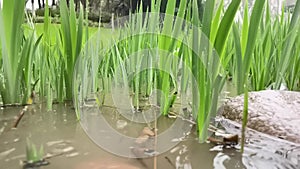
column 276, row 113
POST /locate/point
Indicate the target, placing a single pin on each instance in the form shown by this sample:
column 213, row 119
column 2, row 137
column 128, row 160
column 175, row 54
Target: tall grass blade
column 165, row 59
column 251, row 40
column 207, row 17
column 225, row 25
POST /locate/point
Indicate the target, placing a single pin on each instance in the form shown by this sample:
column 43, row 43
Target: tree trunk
column 32, row 8
column 107, row 4
column 76, row 4
column 83, row 4
column 39, row 3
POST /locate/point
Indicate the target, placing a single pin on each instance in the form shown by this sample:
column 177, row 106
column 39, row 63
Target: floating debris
column 49, row 155
column 34, row 165
column 224, row 138
column 231, row 140
column 19, row 117
column 148, row 131
column 226, row 141
column 170, row 162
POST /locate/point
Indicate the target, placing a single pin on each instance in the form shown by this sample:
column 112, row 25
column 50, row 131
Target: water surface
column 61, row 134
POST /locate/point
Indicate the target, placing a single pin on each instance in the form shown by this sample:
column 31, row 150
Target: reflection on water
column 67, row 145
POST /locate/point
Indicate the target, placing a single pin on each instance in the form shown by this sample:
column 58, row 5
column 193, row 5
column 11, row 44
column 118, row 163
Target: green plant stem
column 245, row 117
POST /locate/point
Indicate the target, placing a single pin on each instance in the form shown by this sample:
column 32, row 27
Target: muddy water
column 64, row 139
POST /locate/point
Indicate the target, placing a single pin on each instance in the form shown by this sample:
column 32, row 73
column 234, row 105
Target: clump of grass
column 33, row 154
column 18, row 52
column 168, row 47
column 264, row 52
column 71, row 35
column 206, row 62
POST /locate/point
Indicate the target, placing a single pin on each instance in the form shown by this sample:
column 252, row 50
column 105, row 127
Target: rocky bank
column 276, row 113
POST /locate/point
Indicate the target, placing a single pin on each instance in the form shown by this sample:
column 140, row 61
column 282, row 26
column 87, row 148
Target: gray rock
column 276, row 113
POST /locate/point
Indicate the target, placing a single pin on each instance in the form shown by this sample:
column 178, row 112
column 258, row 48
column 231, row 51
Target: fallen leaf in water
column 232, row 140
column 148, row 131
column 214, row 140
column 229, row 140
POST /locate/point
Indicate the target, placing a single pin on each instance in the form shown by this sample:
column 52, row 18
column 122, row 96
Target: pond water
column 66, row 145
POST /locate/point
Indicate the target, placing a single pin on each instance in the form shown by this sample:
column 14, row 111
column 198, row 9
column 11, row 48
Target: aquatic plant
column 243, row 55
column 18, row 51
column 169, row 44
column 47, row 75
column 274, row 56
column 208, row 72
column 71, row 36
column 265, row 53
column 32, row 153
column 287, row 69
